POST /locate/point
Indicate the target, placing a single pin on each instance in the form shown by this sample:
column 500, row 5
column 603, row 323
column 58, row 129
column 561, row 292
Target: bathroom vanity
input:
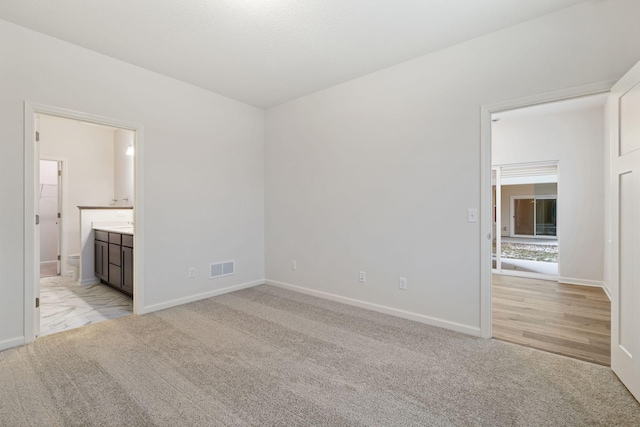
column 114, row 257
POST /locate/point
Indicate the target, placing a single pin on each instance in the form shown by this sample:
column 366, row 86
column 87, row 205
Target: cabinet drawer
column 114, row 254
column 115, row 238
column 127, row 240
column 102, row 236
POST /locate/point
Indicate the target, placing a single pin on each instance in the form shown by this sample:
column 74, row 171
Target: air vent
column 221, row 269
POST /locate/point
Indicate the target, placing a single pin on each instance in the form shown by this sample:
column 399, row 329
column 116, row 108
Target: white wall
column 204, row 190
column 377, row 174
column 123, row 167
column 48, row 211
column 576, row 140
column 508, row 191
column 88, row 151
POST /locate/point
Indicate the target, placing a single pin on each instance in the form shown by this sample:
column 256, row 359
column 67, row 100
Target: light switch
column 472, row 215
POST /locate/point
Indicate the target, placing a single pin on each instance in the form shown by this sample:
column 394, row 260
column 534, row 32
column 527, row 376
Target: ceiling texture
column 267, row 52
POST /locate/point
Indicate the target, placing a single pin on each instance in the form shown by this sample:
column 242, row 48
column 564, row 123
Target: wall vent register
column 221, row 269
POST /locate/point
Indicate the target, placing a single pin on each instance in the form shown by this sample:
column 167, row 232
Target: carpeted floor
column 266, row 356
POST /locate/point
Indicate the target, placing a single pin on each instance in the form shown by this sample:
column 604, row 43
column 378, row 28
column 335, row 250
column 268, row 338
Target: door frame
column 486, row 206
column 63, row 161
column 31, row 270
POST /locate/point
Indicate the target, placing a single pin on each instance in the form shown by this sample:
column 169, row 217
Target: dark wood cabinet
column 114, row 260
column 127, row 269
column 101, row 260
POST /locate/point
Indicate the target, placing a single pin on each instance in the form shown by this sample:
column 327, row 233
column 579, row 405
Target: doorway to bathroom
column 82, row 173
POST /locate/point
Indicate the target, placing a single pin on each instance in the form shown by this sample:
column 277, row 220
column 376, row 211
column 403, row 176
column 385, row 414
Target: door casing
column 486, row 205
column 31, row 272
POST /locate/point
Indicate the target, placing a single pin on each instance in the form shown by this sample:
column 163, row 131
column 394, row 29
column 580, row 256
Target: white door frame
column 31, row 270
column 486, row 207
column 62, row 228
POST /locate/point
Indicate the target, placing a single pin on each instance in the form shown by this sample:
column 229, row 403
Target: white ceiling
column 266, row 52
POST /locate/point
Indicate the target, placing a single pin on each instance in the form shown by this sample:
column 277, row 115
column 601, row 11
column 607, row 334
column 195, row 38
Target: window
column 534, row 215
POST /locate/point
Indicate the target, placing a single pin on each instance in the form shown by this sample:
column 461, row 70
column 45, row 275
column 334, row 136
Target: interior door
column 36, row 255
column 59, row 220
column 624, row 122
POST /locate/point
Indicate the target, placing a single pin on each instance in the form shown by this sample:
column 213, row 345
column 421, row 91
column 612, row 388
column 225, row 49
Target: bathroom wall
column 88, row 151
column 122, row 167
column 48, row 211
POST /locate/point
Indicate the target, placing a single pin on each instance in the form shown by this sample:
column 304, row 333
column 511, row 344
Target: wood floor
column 571, row 320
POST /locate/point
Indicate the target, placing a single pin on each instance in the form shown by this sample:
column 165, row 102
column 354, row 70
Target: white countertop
column 115, row 229
column 114, row 226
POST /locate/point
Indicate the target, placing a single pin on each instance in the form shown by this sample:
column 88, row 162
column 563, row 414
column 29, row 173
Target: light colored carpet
column 266, row 356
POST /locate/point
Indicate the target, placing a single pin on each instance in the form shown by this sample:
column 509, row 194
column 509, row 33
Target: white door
column 624, row 121
column 36, row 254
column 59, row 219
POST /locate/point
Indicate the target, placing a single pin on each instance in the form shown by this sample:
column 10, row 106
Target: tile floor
column 64, row 304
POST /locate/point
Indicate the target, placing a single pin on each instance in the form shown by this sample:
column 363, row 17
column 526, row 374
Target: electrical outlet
column 192, row 272
column 363, row 277
column 294, row 265
column 403, row 283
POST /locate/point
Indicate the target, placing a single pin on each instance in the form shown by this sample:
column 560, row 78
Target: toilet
column 73, row 261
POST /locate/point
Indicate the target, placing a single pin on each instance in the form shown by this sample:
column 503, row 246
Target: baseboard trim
column 433, row 321
column 47, row 262
column 582, row 282
column 526, row 274
column 179, row 301
column 92, row 281
column 12, row 342
column 607, row 291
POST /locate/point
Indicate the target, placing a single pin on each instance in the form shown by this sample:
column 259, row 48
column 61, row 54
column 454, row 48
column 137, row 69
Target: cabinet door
column 97, row 261
column 114, row 254
column 101, row 261
column 115, row 276
column 105, row 261
column 127, row 270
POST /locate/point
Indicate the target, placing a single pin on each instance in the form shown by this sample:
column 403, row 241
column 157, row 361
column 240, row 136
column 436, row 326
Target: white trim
column 433, row 321
column 184, row 300
column 485, row 179
column 91, row 281
column 31, row 271
column 12, row 342
column 581, row 282
column 606, row 290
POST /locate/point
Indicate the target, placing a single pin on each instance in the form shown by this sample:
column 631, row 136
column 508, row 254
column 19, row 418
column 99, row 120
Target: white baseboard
column 433, row 321
column 583, row 282
column 47, row 262
column 197, row 297
column 526, row 274
column 10, row 343
column 91, row 281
